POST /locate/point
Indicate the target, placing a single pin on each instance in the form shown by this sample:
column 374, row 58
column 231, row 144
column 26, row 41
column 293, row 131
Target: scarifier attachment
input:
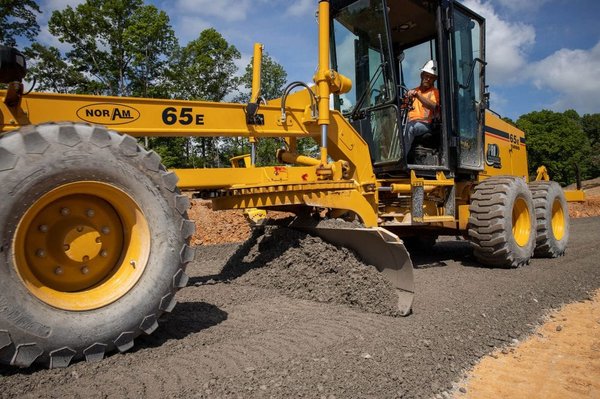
column 377, row 247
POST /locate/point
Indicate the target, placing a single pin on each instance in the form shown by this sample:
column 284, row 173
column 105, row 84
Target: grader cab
column 94, row 234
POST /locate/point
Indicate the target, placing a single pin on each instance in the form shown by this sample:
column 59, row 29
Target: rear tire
column 501, row 223
column 552, row 219
column 93, row 243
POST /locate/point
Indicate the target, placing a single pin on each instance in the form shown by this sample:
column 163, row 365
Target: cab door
column 467, row 39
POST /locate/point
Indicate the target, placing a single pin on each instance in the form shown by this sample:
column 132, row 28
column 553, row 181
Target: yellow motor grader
column 94, row 234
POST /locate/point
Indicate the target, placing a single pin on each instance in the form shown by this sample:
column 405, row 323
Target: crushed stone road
column 234, row 335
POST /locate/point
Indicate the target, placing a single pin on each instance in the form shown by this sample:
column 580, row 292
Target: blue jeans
column 415, row 129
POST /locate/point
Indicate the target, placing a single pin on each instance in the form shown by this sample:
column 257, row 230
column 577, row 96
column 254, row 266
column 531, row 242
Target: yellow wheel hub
column 82, row 245
column 558, row 220
column 521, row 222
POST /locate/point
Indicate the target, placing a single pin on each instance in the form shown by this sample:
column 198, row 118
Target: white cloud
column 522, row 5
column 301, row 7
column 574, row 74
column 498, row 102
column 507, row 44
column 227, row 10
column 189, row 28
column 60, row 4
column 242, row 63
column 48, row 39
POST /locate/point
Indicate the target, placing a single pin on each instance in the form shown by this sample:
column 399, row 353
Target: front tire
column 94, row 242
column 501, row 223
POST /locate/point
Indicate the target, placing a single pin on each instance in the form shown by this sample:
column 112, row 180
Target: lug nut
column 58, row 271
column 105, row 230
column 85, row 270
column 66, row 247
column 79, row 229
column 90, row 213
column 43, row 228
column 104, row 253
column 40, row 253
column 86, row 258
column 132, row 263
column 65, row 211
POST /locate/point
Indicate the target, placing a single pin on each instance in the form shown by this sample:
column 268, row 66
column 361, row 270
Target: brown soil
column 560, row 360
column 217, row 227
column 590, row 207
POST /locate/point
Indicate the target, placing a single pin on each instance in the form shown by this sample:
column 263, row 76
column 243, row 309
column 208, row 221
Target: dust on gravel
column 305, row 267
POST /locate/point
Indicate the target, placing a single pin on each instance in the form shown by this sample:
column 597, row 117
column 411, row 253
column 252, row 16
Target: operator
column 425, row 104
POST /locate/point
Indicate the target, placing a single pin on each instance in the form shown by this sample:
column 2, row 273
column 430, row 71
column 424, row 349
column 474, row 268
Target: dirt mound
column 217, row 227
column 302, row 266
column 590, row 207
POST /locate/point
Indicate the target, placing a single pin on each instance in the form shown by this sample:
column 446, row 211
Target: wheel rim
column 558, row 220
column 521, row 222
column 82, row 245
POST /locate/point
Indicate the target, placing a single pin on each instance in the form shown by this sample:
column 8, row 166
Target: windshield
column 361, row 53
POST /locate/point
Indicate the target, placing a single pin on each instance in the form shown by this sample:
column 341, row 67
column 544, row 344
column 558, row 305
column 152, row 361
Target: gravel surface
column 235, row 335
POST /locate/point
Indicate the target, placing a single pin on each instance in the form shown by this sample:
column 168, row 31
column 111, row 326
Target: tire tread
column 488, row 226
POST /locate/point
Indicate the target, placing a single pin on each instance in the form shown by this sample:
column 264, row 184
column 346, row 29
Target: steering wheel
column 403, row 90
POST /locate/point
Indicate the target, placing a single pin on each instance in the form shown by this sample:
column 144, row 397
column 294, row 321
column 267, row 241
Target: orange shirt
column 419, row 111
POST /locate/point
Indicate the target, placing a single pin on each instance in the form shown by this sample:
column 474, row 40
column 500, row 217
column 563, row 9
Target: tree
column 591, row 127
column 17, row 18
column 53, row 73
column 148, row 37
column 508, row 120
column 204, row 70
column 556, row 140
column 272, row 82
column 121, row 45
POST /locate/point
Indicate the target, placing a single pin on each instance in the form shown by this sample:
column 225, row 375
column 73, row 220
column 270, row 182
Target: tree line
column 565, row 142
column 129, row 48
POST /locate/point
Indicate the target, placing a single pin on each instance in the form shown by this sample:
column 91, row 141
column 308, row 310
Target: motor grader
column 94, row 231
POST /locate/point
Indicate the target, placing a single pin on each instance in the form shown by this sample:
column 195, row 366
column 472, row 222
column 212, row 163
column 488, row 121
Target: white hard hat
column 430, row 67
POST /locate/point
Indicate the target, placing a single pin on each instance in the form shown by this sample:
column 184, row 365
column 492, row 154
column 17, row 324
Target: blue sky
column 542, row 54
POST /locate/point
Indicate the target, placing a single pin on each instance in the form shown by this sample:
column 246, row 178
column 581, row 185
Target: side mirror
column 12, row 65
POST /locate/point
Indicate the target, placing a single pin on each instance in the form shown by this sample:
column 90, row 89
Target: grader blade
column 380, row 248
